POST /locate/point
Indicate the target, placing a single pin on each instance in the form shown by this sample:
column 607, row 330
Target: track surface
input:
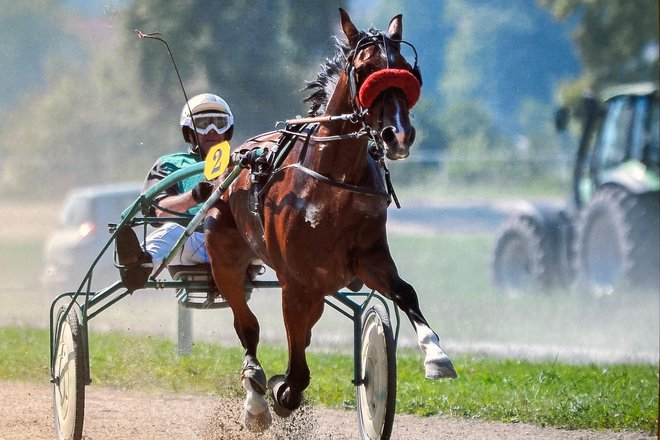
column 25, row 413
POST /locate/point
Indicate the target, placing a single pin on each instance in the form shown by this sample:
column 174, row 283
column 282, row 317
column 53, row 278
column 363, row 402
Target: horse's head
column 383, row 82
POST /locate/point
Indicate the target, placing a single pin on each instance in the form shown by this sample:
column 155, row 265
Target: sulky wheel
column 69, row 382
column 376, row 396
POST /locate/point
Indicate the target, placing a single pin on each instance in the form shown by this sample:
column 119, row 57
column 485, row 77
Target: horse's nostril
column 388, row 134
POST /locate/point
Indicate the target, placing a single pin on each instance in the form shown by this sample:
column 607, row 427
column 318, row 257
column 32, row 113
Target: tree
column 121, row 103
column 32, row 32
column 617, row 41
column 256, row 55
column 501, row 53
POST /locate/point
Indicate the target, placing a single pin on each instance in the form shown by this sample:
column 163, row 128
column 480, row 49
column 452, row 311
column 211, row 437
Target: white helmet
column 216, row 111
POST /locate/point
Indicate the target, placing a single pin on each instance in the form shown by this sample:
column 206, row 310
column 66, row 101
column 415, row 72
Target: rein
column 339, row 137
column 346, row 186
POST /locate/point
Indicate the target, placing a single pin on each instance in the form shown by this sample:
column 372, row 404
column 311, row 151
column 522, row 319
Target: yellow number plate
column 217, row 160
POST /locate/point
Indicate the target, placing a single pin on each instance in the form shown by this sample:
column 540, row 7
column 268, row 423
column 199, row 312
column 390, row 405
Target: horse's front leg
column 378, row 271
column 256, row 416
column 230, row 257
column 300, row 311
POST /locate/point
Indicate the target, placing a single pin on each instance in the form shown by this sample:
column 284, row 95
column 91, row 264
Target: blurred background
column 83, row 101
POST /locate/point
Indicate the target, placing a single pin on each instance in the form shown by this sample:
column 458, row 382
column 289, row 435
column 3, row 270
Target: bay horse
column 324, row 210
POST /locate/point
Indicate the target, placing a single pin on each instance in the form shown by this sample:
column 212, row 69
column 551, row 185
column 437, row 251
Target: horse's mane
column 324, row 85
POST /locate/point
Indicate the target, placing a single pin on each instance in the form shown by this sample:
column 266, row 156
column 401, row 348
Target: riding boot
column 135, row 264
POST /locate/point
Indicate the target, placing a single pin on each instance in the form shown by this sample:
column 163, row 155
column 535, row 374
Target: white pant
column 160, row 242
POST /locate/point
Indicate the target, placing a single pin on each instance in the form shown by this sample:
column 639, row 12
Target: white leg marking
column 255, row 403
column 429, row 342
column 436, row 362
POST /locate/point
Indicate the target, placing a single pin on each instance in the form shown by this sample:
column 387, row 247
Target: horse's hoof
column 256, row 376
column 276, row 385
column 256, row 422
column 440, row 369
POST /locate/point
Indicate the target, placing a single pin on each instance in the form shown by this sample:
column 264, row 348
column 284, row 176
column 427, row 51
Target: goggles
column 204, row 123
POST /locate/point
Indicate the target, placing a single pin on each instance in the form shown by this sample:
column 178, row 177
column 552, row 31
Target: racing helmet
column 209, row 112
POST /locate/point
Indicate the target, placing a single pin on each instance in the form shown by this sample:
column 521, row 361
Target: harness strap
column 339, row 137
column 342, row 185
column 389, row 194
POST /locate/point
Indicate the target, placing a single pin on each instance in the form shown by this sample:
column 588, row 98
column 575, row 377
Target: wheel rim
column 66, row 387
column 372, row 394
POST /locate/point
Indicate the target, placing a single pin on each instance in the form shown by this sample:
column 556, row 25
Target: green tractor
column 605, row 238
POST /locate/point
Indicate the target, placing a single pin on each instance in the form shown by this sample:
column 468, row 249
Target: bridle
column 375, row 38
column 358, row 116
column 387, row 78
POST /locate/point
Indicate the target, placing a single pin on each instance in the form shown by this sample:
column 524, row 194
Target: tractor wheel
column 617, row 244
column 523, row 260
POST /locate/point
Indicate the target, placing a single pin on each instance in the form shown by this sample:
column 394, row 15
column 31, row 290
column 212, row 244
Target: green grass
column 618, row 397
column 457, row 265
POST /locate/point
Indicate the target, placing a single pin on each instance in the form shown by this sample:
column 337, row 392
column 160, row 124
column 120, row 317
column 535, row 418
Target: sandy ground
column 26, row 413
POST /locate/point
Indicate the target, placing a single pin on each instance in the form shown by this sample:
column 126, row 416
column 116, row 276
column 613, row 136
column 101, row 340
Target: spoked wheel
column 376, row 397
column 69, row 383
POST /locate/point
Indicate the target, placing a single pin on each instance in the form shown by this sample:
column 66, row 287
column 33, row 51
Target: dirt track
column 111, row 414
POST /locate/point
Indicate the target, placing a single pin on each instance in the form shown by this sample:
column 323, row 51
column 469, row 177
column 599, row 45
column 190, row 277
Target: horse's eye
column 365, row 71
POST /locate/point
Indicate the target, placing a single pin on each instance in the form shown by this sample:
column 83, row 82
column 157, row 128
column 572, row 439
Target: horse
column 322, row 222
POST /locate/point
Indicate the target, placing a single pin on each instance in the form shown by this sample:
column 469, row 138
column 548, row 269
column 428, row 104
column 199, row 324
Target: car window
column 76, row 211
column 101, row 208
column 108, row 208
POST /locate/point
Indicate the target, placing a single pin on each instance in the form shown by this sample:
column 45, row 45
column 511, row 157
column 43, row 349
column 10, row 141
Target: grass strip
column 615, row 397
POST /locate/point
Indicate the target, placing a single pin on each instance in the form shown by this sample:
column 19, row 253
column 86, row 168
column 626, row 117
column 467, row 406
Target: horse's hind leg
column 378, row 271
column 230, row 258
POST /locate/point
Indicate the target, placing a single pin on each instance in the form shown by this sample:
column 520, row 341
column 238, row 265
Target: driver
column 213, row 123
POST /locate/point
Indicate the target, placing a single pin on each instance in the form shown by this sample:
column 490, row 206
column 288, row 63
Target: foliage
column 90, row 123
column 122, row 107
column 617, row 43
column 102, row 96
column 255, row 55
column 489, row 89
column 501, row 53
column 618, row 397
column 31, row 31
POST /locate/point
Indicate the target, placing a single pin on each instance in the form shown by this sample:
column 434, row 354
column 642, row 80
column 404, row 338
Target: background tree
column 617, row 41
column 490, row 67
column 502, row 53
column 31, row 33
column 107, row 119
column 256, row 55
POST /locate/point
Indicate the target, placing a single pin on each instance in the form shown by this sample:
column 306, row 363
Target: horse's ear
column 395, row 30
column 351, row 32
